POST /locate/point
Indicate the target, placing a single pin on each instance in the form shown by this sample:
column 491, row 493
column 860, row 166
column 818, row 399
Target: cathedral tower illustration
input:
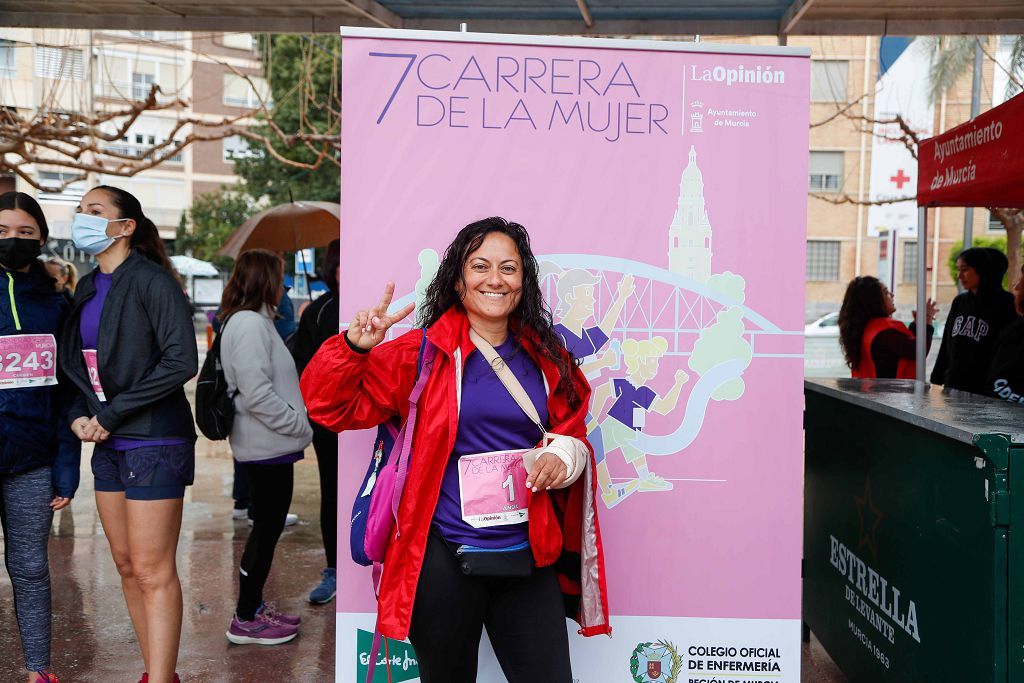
column 689, row 236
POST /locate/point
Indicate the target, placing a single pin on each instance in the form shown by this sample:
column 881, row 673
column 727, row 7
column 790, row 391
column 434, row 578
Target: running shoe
column 260, row 631
column 46, row 677
column 324, row 593
column 238, row 513
column 654, row 482
column 270, row 610
column 145, row 678
column 619, row 492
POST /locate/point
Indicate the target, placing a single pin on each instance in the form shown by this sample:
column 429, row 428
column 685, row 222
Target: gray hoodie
column 270, row 416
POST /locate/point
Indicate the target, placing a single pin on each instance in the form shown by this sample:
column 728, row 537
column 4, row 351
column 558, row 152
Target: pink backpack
column 385, row 491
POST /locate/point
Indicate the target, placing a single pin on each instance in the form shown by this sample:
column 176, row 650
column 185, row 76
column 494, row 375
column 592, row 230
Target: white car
column 825, row 326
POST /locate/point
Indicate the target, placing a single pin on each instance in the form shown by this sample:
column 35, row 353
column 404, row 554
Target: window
column 59, row 62
column 53, row 182
column 994, row 224
column 909, row 262
column 826, row 171
column 239, row 41
column 828, row 80
column 238, row 92
column 822, row 260
column 8, row 59
column 236, row 147
column 139, row 141
column 127, row 76
column 141, row 85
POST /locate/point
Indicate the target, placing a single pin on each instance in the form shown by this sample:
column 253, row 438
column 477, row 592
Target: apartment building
column 67, row 71
column 844, row 71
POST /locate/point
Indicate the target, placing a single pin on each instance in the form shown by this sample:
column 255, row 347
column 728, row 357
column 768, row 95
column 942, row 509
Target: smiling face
column 492, row 278
column 583, row 300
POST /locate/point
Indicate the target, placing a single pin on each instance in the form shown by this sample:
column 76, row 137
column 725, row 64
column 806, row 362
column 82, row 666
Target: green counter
column 911, row 568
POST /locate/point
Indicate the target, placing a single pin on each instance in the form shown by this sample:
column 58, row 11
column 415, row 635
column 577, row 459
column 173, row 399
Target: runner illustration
column 576, row 299
column 633, row 399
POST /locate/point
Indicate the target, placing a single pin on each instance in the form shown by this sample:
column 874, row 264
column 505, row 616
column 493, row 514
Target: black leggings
column 525, row 621
column 325, row 443
column 271, row 489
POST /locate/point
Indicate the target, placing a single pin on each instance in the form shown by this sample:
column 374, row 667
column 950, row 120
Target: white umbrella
column 193, row 267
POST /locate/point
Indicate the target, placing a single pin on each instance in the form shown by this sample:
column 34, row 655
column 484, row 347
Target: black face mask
column 17, row 252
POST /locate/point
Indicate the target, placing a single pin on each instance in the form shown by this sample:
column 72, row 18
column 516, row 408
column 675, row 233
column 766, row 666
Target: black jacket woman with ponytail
column 129, row 347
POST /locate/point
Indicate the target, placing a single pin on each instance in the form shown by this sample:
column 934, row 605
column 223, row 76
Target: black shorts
column 146, row 472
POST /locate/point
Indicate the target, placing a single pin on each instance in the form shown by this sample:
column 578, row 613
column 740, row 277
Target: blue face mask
column 89, row 233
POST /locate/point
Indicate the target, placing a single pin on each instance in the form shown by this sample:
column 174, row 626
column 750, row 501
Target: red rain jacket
column 905, row 369
column 344, row 389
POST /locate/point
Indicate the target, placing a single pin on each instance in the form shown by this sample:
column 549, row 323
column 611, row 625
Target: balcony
column 123, row 90
column 137, row 151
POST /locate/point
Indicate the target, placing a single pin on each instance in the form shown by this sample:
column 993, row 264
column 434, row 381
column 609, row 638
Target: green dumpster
column 911, row 568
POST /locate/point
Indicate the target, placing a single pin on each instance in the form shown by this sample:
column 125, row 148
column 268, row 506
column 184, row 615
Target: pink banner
column 664, row 189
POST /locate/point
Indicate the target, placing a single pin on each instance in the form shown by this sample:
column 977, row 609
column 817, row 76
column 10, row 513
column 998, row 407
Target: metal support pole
column 922, row 293
column 975, row 109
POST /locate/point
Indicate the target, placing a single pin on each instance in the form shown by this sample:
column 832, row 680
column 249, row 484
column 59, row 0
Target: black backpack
column 215, row 407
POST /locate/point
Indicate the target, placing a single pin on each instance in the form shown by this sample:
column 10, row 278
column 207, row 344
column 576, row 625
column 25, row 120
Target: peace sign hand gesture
column 368, row 328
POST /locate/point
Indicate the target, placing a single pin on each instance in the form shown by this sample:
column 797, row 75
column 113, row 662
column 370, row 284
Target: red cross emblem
column 900, row 179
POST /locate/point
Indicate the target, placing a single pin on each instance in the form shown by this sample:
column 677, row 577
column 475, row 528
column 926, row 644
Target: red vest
column 906, row 369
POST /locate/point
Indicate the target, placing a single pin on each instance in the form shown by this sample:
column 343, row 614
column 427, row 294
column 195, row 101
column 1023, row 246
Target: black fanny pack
column 513, row 562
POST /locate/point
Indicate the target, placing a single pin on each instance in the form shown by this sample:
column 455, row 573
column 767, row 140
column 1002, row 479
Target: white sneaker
column 239, row 513
column 289, row 520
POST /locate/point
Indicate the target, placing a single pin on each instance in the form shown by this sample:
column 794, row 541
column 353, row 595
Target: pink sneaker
column 260, row 631
column 270, row 609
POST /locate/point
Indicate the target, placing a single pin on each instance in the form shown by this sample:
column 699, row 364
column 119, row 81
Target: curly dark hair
column 532, row 312
column 864, row 301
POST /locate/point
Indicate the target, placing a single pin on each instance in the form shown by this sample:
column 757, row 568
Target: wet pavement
column 93, row 639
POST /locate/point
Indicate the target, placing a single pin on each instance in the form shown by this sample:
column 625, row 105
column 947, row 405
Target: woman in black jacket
column 39, row 456
column 130, row 347
column 976, row 319
column 318, row 323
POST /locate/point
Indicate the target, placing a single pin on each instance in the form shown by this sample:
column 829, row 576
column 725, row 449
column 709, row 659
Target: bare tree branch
column 842, row 111
column 86, row 142
column 839, row 199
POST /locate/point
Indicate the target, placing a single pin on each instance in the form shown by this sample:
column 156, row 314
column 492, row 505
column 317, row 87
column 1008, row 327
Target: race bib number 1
column 28, row 360
column 94, row 373
column 492, row 487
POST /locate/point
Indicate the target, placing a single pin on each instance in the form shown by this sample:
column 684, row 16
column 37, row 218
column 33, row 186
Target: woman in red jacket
column 874, row 344
column 451, row 570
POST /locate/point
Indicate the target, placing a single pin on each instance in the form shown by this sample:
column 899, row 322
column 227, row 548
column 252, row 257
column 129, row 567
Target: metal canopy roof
column 594, row 17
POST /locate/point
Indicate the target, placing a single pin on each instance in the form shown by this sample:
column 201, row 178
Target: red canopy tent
column 978, row 163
